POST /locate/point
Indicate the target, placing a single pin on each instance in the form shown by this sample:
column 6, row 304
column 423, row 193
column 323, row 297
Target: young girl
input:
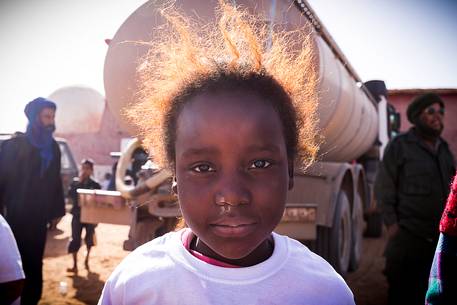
column 228, row 108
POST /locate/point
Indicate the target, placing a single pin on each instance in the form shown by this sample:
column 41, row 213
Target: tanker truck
column 331, row 204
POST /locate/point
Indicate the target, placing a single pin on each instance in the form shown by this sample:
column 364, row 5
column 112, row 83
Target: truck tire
column 374, row 225
column 334, row 244
column 357, row 233
column 322, row 243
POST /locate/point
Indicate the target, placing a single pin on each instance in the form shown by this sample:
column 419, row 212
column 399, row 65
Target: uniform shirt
column 88, row 184
column 163, row 272
column 412, row 184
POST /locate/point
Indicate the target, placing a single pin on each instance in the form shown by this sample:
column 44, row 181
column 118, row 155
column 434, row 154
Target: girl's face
column 232, row 173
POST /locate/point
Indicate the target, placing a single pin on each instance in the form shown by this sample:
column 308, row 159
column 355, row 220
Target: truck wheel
column 334, row 244
column 357, row 233
column 374, row 225
column 341, row 235
column 323, row 242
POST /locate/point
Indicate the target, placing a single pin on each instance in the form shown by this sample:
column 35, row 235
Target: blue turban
column 39, row 135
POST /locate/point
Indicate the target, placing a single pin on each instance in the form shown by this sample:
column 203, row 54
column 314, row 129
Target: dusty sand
column 86, row 286
column 367, row 283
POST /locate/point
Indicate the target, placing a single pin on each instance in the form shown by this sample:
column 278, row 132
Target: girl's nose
column 232, row 191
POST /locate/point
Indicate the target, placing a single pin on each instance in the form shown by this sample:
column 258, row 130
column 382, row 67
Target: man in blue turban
column 41, row 112
column 31, row 190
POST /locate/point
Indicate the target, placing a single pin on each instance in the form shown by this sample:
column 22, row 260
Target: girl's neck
column 260, row 254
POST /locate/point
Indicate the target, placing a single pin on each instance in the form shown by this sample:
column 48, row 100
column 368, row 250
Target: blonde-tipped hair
column 186, row 54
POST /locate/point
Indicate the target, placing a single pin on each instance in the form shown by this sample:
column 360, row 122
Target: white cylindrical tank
column 79, row 109
column 347, row 118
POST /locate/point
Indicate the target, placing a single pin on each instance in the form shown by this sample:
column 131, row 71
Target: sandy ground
column 86, row 286
column 367, row 283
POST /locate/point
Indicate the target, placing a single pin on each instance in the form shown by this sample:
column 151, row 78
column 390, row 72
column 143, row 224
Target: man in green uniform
column 411, row 187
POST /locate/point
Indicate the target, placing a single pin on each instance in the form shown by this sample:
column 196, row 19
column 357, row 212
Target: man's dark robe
column 31, row 200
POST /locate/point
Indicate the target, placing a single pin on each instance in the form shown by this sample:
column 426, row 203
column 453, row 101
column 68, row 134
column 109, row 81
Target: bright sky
column 406, row 43
column 49, row 44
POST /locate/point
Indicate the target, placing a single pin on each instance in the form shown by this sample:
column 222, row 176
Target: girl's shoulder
column 142, row 274
column 298, row 251
column 156, row 246
column 150, row 257
column 309, row 261
column 313, row 271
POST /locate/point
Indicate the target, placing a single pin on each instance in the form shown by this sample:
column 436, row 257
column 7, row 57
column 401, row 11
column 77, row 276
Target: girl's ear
column 291, row 174
column 174, row 186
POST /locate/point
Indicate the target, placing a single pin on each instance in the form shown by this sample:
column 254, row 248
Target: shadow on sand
column 56, row 243
column 87, row 287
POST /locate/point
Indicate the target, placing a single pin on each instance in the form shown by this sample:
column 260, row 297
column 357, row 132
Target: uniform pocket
column 417, row 180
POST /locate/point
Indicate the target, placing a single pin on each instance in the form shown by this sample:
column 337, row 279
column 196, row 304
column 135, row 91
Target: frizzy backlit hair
column 238, row 51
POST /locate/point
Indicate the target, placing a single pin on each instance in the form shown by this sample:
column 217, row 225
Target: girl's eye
column 260, row 164
column 202, row 168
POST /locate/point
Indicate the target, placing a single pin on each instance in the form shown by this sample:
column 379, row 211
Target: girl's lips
column 233, row 230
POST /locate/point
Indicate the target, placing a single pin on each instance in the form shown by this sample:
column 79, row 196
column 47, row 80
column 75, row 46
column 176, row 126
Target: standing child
column 230, row 118
column 84, row 181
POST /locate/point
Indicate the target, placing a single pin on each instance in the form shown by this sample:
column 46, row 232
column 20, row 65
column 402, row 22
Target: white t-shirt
column 10, row 259
column 105, row 184
column 162, row 271
column 10, row 262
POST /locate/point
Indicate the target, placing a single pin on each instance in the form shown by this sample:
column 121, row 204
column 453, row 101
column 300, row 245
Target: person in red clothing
column 443, row 275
